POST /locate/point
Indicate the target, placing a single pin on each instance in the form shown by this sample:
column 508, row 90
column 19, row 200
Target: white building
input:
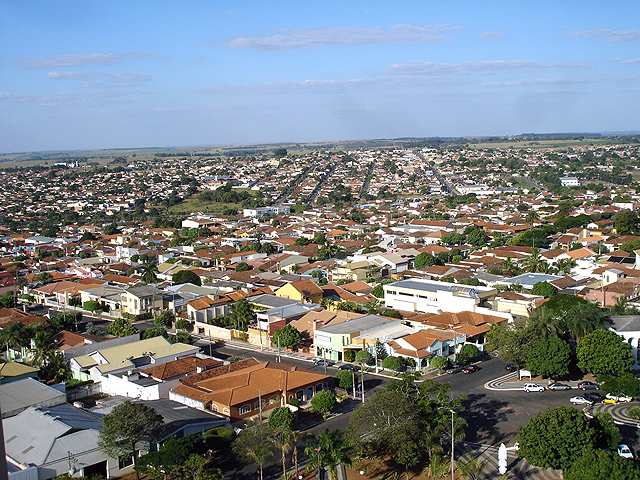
column 261, row 211
column 430, row 296
column 569, row 182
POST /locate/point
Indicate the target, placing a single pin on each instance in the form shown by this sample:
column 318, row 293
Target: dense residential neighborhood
column 228, row 292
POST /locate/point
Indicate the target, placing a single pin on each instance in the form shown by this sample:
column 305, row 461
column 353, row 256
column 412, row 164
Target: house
column 424, row 344
column 22, row 394
column 154, row 383
column 331, row 341
column 67, row 340
column 206, row 308
column 303, row 291
column 628, row 327
column 275, row 318
column 144, row 299
column 14, row 371
column 420, row 295
column 516, row 303
column 129, row 356
column 528, row 280
column 248, row 388
column 107, row 296
column 60, row 440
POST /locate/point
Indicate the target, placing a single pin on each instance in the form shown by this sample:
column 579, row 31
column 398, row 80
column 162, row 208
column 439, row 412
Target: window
column 125, row 461
column 225, row 410
column 245, row 409
column 214, row 407
column 273, row 399
column 319, row 387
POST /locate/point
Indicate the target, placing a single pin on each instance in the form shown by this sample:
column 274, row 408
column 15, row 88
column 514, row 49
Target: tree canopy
column 549, row 357
column 186, row 276
column 603, row 352
column 126, row 425
column 287, row 336
column 602, row 465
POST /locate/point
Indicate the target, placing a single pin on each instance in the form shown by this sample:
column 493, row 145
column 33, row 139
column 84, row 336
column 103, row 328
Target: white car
column 625, row 451
column 619, row 397
column 580, row 401
column 533, row 387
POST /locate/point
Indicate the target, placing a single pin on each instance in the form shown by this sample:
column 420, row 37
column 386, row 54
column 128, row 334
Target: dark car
column 595, row 397
column 454, row 369
column 559, row 386
column 348, row 366
column 587, row 385
column 470, row 369
column 511, row 367
column 322, row 361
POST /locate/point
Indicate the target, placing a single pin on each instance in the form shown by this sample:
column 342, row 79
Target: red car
column 470, row 369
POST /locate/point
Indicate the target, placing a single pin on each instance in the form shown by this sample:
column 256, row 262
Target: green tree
column 149, row 271
column 535, row 263
column 241, row 314
column 603, row 352
column 544, row 289
column 378, row 291
column 281, row 418
column 256, row 445
column 219, row 438
column 14, row 335
column 55, row 370
column 185, row 276
column 607, row 432
column 345, row 379
column 91, row 306
column 393, row 363
column 438, row 362
column 153, row 332
column 556, row 438
column 126, row 426
column 328, row 451
column 477, row 236
column 364, row 357
column 467, row 352
column 602, row 465
column 287, row 336
column 184, row 324
column 424, row 260
column 511, row 340
column 549, row 357
column 626, row 383
column 625, row 222
column 121, row 327
column 164, row 319
column 242, row 267
column 323, row 401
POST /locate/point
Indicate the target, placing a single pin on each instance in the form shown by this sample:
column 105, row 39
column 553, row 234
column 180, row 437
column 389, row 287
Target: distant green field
column 195, row 204
column 540, row 144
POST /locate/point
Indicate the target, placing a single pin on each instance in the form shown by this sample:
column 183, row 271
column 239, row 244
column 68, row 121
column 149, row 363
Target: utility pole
column 260, row 402
column 452, row 445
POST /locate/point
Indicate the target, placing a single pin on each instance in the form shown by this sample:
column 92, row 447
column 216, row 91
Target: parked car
column 619, row 397
column 348, row 366
column 511, row 367
column 322, row 361
column 609, row 400
column 470, row 369
column 587, row 385
column 533, row 387
column 595, row 397
column 454, row 369
column 580, row 401
column 625, row 451
column 559, row 386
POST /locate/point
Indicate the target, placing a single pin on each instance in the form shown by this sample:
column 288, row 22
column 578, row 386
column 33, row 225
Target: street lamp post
column 452, row 445
column 260, row 401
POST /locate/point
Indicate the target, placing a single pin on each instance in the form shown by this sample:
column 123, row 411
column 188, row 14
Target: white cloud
column 558, row 81
column 609, row 34
column 78, row 60
column 492, row 35
column 629, row 61
column 292, row 39
column 482, row 68
column 75, row 75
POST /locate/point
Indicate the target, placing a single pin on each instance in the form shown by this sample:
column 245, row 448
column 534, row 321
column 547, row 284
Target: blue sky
column 116, row 74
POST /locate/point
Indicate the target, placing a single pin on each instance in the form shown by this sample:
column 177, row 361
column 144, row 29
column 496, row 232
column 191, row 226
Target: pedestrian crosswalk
column 517, row 468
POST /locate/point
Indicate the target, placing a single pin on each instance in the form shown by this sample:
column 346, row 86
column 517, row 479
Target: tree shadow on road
column 483, row 417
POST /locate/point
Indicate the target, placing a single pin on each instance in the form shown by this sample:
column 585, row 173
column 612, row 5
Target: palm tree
column 533, row 262
column 13, row 336
column 284, row 441
column 149, row 269
column 329, row 450
column 471, row 468
column 43, row 348
column 56, row 370
column 510, row 267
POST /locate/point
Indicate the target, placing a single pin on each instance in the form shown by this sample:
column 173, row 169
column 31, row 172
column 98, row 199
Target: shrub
column 345, row 378
column 294, row 401
column 281, row 418
column 219, row 438
column 393, row 363
column 349, row 355
column 323, row 401
column 467, row 352
column 438, row 362
column 153, row 332
column 634, row 412
column 184, row 324
column 365, row 357
column 91, row 305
